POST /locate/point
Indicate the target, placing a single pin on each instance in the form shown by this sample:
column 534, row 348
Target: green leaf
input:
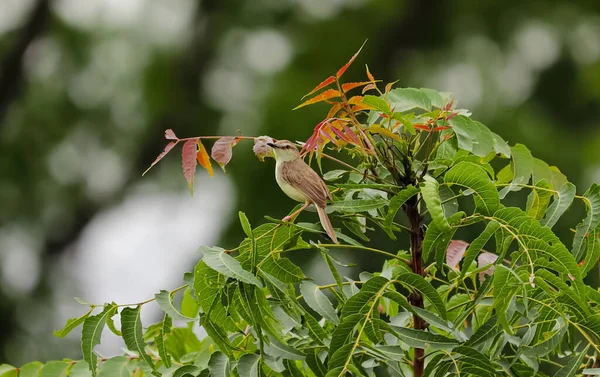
column 521, row 165
column 430, row 191
column 485, row 332
column 591, row 371
column 478, row 244
column 249, row 365
column 538, row 200
column 423, row 339
column 282, row 268
column 449, row 201
column 161, row 340
column 358, row 205
column 163, row 299
column 31, row 369
column 473, row 177
column 71, row 324
column 591, row 221
column 110, row 322
column 118, row 366
column 404, row 99
column 277, row 349
column 334, row 174
column 548, row 342
column 505, row 286
column 343, row 333
column 131, row 327
column 7, row 370
column 474, row 362
column 566, row 194
column 418, row 283
column 90, row 336
column 397, row 202
column 435, row 238
column 500, row 146
column 472, row 136
column 245, row 224
column 187, row 370
column 79, row 369
column 219, row 365
column 55, row 369
column 314, row 363
column 317, row 300
column 378, row 103
column 592, row 253
column 218, row 260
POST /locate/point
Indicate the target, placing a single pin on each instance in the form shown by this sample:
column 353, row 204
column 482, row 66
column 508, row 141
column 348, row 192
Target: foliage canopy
column 421, row 170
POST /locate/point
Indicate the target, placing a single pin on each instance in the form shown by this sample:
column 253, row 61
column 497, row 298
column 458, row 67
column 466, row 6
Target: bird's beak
column 272, row 145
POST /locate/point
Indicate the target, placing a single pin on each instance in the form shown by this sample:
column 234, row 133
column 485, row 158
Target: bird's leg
column 289, row 217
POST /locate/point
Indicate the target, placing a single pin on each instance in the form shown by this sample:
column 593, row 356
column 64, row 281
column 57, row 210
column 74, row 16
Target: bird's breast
column 288, row 189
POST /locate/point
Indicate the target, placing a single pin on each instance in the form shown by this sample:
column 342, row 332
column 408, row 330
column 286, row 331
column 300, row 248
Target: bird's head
column 284, row 150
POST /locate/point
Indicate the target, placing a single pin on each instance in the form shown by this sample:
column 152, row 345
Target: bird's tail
column 326, row 224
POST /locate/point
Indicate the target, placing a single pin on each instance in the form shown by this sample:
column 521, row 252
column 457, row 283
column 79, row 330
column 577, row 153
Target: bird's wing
column 302, row 177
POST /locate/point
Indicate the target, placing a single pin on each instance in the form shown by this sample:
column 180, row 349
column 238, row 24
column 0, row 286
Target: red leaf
column 329, row 93
column 451, row 116
column 341, row 71
column 352, row 135
column 160, row 156
column 203, row 159
column 170, row 135
column 222, row 150
column 351, row 85
column 422, row 127
column 455, row 253
column 369, row 75
column 441, row 128
column 327, row 135
column 188, row 161
column 388, row 87
column 325, row 82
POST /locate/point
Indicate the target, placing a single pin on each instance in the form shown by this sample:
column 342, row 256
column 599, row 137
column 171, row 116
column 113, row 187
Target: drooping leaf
column 131, row 327
column 188, row 161
column 430, row 191
column 424, row 287
column 261, row 147
column 245, row 224
column 282, row 268
column 538, row 200
column 248, row 365
column 397, row 202
column 204, row 159
column 505, row 287
column 277, row 349
column 318, row 301
column 474, row 362
column 501, row 147
column 219, row 365
column 455, row 253
column 478, row 243
column 591, row 221
column 90, row 336
column 161, row 340
column 521, row 166
column 222, row 150
column 474, row 177
column 473, row 136
column 165, row 302
column 218, row 260
column 566, row 194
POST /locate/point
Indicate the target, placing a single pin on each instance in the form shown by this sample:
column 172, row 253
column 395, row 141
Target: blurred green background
column 87, row 88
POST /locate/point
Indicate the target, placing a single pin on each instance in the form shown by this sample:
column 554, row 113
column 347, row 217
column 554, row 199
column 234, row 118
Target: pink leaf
column 160, row 156
column 484, row 259
column 455, row 253
column 188, row 161
column 222, row 150
column 261, row 148
column 170, row 135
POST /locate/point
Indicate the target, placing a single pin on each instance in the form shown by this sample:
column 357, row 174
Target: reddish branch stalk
column 415, row 298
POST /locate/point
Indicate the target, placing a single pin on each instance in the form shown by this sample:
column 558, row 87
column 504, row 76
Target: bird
column 301, row 183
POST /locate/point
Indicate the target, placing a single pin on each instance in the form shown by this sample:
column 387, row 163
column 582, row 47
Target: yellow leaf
column 204, row 159
column 377, row 129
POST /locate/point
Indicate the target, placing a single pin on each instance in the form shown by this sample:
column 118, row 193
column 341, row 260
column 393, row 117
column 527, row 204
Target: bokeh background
column 87, row 88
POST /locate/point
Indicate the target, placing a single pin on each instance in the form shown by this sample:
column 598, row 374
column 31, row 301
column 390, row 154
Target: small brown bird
column 301, row 183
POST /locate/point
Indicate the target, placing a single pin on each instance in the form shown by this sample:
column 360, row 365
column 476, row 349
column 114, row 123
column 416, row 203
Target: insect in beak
column 272, row 145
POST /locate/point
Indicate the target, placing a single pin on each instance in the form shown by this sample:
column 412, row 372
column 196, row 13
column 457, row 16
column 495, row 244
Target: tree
column 421, row 171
